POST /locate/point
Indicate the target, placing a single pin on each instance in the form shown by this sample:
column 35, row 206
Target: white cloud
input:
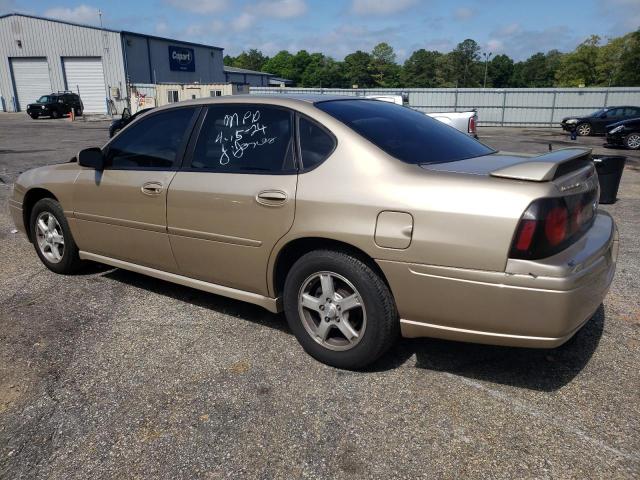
column 80, row 14
column 275, row 9
column 520, row 44
column 380, row 7
column 281, row 8
column 243, row 22
column 624, row 15
column 438, row 44
column 495, row 46
column 463, row 13
column 161, row 28
column 200, row 6
column 508, row 29
column 7, row 6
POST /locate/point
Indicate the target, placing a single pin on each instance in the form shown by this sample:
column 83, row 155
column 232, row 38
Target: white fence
column 496, row 106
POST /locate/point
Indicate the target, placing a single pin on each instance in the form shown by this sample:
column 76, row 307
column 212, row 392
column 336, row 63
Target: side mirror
column 92, row 158
column 603, row 115
column 126, row 114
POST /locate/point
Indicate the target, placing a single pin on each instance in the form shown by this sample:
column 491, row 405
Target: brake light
column 525, row 235
column 555, row 225
column 472, row 124
column 550, row 225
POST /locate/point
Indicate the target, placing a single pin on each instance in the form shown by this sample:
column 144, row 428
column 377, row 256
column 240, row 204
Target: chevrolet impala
column 361, row 220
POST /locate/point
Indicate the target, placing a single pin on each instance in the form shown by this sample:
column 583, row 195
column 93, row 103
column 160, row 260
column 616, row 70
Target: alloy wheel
column 584, row 129
column 332, row 311
column 49, row 237
column 633, row 141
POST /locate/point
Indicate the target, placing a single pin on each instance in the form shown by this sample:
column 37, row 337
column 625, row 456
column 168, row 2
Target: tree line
column 615, row 62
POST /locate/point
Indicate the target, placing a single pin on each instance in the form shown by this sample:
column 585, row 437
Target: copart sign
column 181, row 59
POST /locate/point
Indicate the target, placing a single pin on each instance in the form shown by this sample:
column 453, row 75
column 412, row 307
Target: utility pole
column 486, row 56
column 105, row 51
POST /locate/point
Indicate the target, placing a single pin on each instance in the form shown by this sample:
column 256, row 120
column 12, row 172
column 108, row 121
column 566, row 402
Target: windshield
column 44, row 99
column 597, row 113
column 404, row 133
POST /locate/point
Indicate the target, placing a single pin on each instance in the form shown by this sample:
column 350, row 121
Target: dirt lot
column 115, row 375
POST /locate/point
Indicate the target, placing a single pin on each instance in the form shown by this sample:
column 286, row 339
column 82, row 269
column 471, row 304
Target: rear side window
column 245, row 138
column 404, row 133
column 153, row 142
column 316, row 144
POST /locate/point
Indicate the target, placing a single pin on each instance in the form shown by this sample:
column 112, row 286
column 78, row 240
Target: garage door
column 31, row 79
column 84, row 75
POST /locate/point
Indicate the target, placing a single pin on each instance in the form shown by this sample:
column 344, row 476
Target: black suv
column 55, row 105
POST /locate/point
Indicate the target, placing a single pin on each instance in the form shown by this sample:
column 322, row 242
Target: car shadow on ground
column 534, row 369
column 210, row 301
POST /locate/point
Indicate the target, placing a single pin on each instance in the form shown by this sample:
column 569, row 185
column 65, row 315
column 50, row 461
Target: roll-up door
column 31, row 80
column 85, row 75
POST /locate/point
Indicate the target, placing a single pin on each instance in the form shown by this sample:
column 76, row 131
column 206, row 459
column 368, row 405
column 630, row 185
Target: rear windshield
column 404, row 133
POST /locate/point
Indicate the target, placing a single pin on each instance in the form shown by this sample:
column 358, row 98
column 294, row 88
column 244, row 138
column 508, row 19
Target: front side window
column 245, row 138
column 151, row 143
column 316, row 144
column 403, row 133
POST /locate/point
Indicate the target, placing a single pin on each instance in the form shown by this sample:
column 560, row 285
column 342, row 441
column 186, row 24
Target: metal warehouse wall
column 54, row 40
column 496, row 106
column 148, row 61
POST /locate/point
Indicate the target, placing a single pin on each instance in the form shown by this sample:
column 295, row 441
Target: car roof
column 285, row 100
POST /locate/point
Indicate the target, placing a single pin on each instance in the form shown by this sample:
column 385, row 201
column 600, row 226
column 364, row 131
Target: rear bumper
column 532, row 304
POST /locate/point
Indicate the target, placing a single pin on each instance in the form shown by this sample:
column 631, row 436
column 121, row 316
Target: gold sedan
column 361, row 219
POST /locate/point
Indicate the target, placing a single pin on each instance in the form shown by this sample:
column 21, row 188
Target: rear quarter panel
column 460, row 220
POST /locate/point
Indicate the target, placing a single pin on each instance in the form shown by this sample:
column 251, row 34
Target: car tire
column 77, row 112
column 584, row 129
column 52, row 237
column 340, row 310
column 55, row 114
column 632, row 141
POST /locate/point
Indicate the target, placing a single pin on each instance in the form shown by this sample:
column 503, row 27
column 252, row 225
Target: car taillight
column 550, row 225
column 555, row 225
column 472, row 124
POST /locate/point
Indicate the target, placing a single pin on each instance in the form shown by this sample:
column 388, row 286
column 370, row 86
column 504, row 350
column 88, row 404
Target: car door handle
column 272, row 198
column 152, row 188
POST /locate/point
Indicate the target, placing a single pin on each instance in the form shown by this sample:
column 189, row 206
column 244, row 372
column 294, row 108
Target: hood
column 541, row 168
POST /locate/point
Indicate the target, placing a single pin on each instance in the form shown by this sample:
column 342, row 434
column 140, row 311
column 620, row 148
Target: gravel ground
column 114, row 375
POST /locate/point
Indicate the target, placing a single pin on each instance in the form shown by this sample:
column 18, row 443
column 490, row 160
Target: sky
column 518, row 28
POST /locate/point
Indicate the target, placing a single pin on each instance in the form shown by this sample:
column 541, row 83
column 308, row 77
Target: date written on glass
column 241, row 132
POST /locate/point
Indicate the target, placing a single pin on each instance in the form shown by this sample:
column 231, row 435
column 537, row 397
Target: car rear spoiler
column 547, row 167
